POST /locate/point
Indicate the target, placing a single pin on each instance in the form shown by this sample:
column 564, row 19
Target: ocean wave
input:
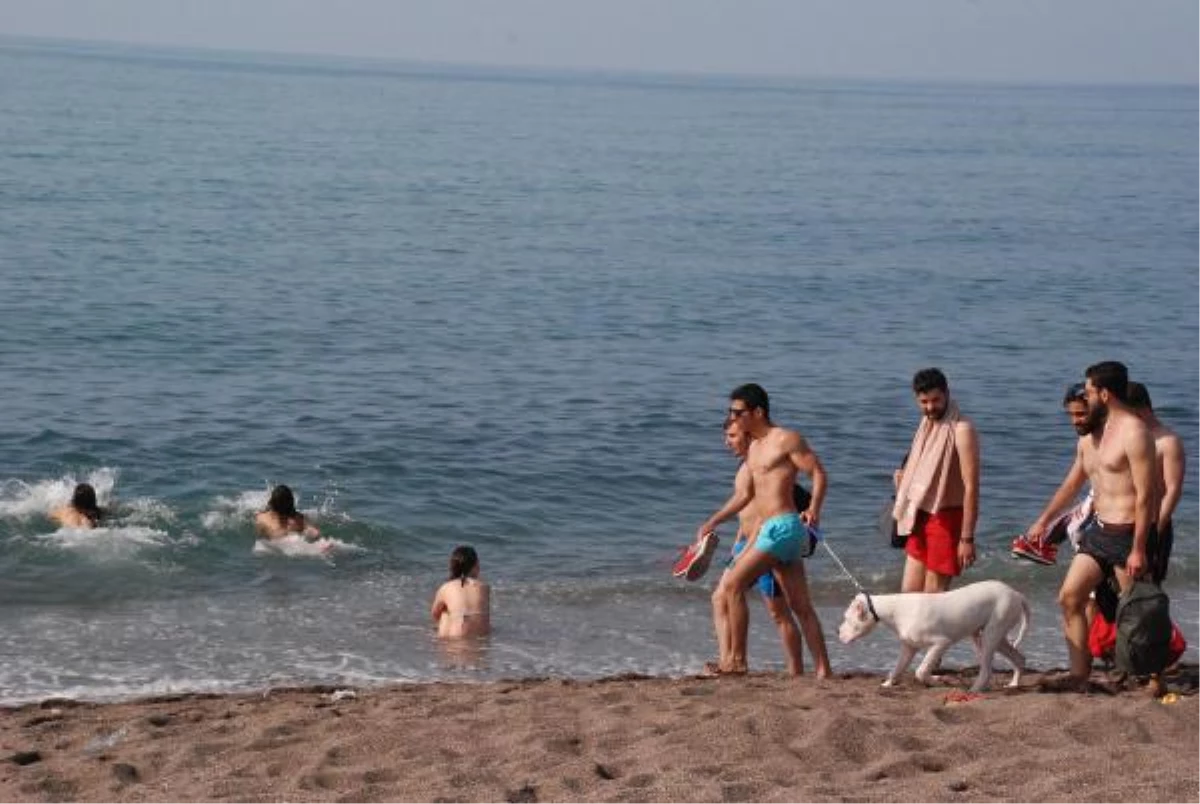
column 105, row 542
column 296, row 546
column 21, row 500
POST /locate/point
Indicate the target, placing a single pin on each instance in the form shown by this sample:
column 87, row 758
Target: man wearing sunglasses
column 1117, row 457
column 773, row 458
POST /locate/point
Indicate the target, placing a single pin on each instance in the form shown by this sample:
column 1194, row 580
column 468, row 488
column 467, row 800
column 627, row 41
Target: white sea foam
column 22, row 501
column 296, row 546
column 105, row 542
column 227, row 512
column 230, row 511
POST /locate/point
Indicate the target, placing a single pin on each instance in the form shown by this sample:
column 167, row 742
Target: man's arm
column 1072, row 484
column 743, row 493
column 804, row 459
column 966, row 443
column 1173, row 468
column 1139, row 450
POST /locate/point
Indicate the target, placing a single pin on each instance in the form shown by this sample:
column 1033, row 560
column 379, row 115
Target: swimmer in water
column 82, row 511
column 281, row 519
column 462, row 605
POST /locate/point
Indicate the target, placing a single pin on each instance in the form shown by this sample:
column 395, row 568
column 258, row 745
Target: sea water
column 506, row 308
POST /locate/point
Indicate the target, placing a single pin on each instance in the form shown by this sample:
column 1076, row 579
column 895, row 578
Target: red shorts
column 934, row 540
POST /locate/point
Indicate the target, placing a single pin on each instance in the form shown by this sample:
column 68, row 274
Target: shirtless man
column 749, row 522
column 773, row 458
column 1118, row 461
column 1170, row 466
column 937, row 491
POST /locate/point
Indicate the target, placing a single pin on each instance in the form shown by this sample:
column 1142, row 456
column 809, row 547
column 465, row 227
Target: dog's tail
column 1024, row 624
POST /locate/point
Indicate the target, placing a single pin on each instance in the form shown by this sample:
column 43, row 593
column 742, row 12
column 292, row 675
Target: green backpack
column 1143, row 629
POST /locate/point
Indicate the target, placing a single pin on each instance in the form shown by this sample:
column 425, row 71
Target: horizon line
column 53, row 42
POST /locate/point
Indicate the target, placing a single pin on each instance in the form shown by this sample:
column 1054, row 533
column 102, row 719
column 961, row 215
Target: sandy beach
column 756, row 738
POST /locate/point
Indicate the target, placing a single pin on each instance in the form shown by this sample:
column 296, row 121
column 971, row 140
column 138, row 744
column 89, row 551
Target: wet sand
column 754, row 738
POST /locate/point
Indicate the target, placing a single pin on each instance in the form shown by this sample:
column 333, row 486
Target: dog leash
column 853, row 580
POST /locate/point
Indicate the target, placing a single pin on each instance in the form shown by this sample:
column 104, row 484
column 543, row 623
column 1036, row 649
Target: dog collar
column 870, row 605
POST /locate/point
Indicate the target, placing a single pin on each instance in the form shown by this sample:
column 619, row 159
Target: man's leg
column 752, row 563
column 789, row 634
column 795, row 586
column 936, row 581
column 721, row 625
column 1083, row 576
column 914, row 576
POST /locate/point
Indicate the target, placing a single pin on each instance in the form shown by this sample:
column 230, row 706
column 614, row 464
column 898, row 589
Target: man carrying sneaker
column 1117, row 458
column 1068, row 525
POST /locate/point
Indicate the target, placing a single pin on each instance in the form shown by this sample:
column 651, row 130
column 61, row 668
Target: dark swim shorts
column 1109, row 544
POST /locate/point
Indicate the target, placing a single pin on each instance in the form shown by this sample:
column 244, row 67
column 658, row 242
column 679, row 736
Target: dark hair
column 930, row 379
column 282, row 503
column 462, row 560
column 1076, row 392
column 754, row 395
column 83, row 500
column 1110, row 376
column 1138, row 397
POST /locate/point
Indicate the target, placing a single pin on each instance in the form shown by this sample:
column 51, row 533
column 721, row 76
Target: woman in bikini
column 462, row 605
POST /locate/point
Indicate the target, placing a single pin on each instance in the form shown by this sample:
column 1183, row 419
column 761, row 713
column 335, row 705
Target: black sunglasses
column 734, row 413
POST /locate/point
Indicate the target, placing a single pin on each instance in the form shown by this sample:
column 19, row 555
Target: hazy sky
column 1006, row 40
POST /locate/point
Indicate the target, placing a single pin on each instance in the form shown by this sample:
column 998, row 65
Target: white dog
column 986, row 611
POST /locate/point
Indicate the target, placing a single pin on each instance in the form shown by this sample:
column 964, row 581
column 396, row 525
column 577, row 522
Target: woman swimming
column 281, row 518
column 82, row 511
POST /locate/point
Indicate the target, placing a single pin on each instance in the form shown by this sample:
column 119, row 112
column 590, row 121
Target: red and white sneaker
column 1038, row 552
column 696, row 557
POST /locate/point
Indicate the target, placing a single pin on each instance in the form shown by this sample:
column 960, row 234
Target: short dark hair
column 754, row 395
column 1076, row 392
column 930, row 379
column 1110, row 376
column 1138, row 397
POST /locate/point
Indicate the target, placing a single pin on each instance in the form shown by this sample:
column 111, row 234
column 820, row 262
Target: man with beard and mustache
column 1116, row 455
column 1068, row 525
column 937, row 490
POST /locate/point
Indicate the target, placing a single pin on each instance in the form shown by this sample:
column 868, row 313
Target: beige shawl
column 927, row 472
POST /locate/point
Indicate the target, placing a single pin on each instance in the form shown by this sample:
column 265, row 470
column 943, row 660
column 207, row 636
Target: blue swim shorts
column 766, row 582
column 782, row 537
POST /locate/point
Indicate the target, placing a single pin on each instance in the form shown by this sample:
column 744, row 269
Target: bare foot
column 1156, row 687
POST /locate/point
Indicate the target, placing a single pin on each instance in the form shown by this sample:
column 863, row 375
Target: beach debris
column 959, row 697
column 958, row 786
column 341, row 695
column 158, row 720
column 603, row 772
column 25, row 757
column 526, row 794
column 103, row 742
column 1169, row 698
column 125, row 773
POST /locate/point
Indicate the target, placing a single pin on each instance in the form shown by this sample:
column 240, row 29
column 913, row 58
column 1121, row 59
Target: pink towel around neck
column 930, row 459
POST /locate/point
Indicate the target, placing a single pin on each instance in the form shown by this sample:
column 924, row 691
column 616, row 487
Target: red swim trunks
column 934, row 540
